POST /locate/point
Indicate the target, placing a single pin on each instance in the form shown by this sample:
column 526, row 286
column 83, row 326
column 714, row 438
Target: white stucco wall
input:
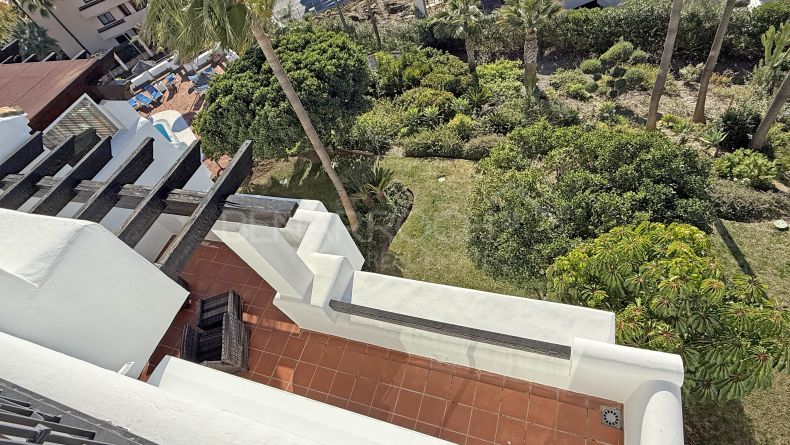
column 14, row 131
column 316, row 421
column 73, row 287
column 144, row 410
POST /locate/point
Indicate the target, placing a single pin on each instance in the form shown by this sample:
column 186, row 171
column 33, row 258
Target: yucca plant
column 669, row 293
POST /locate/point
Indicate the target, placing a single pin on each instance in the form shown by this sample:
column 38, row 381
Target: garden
column 595, row 157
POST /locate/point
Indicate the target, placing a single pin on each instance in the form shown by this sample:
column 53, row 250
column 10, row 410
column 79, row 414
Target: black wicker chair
column 211, row 310
column 225, row 348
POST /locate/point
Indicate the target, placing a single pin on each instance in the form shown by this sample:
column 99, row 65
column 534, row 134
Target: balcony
column 122, row 25
column 94, row 8
column 111, row 25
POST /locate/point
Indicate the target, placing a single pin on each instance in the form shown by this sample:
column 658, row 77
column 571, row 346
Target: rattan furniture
column 211, row 310
column 225, row 348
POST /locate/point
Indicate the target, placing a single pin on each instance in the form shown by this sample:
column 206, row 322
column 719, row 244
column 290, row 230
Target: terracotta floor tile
column 420, row 361
column 543, row 391
column 351, row 362
column 447, row 368
column 261, row 378
column 342, row 385
column 358, row 408
column 267, row 363
column 370, row 367
column 414, row 378
column 600, row 432
column 284, row 370
column 357, row 346
column 438, row 384
column 542, row 411
column 573, row 398
column 539, row 435
column 337, row 401
column 331, row 357
column 483, row 424
column 569, row 439
column 303, row 374
column 294, row 347
column 405, row 422
column 385, row 398
column 454, row 437
column 572, row 419
column 318, row 337
column 312, row 352
column 408, row 404
column 398, row 356
column 514, row 403
column 380, row 414
column 316, row 395
column 488, row 397
column 363, row 392
column 322, row 379
column 462, row 390
column 276, row 342
column 511, row 431
column 253, row 356
column 429, row 429
column 235, row 274
column 457, row 418
column 470, row 440
column 432, row 410
column 392, row 372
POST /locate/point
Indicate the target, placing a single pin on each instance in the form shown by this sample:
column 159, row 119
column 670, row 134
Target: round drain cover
column 611, row 417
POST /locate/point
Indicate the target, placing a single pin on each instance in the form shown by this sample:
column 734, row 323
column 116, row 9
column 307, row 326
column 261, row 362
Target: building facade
column 92, row 25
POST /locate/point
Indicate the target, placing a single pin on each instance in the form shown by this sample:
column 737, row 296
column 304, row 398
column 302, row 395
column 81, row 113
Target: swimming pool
column 161, row 128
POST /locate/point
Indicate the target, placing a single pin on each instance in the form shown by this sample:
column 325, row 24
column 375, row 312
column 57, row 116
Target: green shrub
column 503, row 79
column 563, row 79
column 436, row 142
column 640, row 77
column 738, row 202
column 779, row 143
column 637, row 57
column 422, row 97
column 675, row 123
column 480, row 146
column 739, row 122
column 428, row 67
column 503, row 119
column 670, row 294
column 329, row 72
column 691, row 73
column 619, row 53
column 591, row 66
column 593, row 180
column 464, row 126
column 748, row 168
column 579, row 92
column 377, row 129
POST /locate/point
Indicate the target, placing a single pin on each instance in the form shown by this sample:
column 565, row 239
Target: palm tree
column 461, row 19
column 33, row 39
column 781, row 97
column 528, row 16
column 44, row 8
column 710, row 63
column 189, row 26
column 663, row 68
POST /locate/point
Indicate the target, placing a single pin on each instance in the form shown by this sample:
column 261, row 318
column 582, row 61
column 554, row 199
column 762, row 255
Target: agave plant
column 670, row 294
column 713, row 137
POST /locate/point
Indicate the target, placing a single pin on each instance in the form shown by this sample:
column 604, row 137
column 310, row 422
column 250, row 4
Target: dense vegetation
column 329, row 72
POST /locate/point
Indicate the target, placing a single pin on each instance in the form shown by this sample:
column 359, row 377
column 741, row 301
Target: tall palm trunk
column 285, row 83
column 710, row 63
column 530, row 61
column 782, row 95
column 470, row 57
column 339, row 8
column 372, row 17
column 666, row 59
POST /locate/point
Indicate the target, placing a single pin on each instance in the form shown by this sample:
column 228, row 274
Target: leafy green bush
column 480, row 146
column 422, row 97
column 591, row 66
column 377, row 129
column 738, row 202
column 779, row 142
column 748, row 168
column 594, row 179
column 670, row 294
column 464, row 126
column 329, row 72
column 571, row 82
column 617, row 54
column 675, row 123
column 637, row 57
column 739, row 122
column 428, row 67
column 503, row 79
column 691, row 73
column 503, row 119
column 437, row 142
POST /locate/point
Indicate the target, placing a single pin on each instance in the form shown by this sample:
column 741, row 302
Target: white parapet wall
column 313, row 261
column 316, row 421
column 74, row 287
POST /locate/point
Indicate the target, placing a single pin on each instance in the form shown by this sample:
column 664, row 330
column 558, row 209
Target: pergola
column 203, row 209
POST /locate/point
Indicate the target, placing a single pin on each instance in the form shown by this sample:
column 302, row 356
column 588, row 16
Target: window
column 125, row 9
column 121, row 39
column 106, row 18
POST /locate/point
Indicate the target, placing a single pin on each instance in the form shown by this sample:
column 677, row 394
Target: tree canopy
column 329, row 72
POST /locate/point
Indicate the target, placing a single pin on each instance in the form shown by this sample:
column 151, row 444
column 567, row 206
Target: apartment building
column 92, row 25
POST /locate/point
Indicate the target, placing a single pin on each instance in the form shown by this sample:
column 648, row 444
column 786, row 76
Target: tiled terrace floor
column 459, row 404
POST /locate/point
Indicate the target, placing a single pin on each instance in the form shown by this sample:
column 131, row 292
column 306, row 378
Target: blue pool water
column 163, row 130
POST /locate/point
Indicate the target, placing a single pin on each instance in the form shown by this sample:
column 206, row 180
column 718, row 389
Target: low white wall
column 74, row 287
column 316, row 421
column 14, row 130
column 654, row 415
column 144, row 410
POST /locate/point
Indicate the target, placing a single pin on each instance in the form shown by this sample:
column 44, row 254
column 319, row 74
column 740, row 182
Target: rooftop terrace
column 457, row 403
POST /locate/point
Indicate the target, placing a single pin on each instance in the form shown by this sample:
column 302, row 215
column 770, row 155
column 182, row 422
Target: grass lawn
column 763, row 417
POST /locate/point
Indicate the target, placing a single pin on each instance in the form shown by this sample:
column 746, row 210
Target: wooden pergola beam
column 249, row 209
column 89, row 166
column 106, row 197
column 23, row 156
column 178, row 252
column 16, row 194
column 154, row 202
